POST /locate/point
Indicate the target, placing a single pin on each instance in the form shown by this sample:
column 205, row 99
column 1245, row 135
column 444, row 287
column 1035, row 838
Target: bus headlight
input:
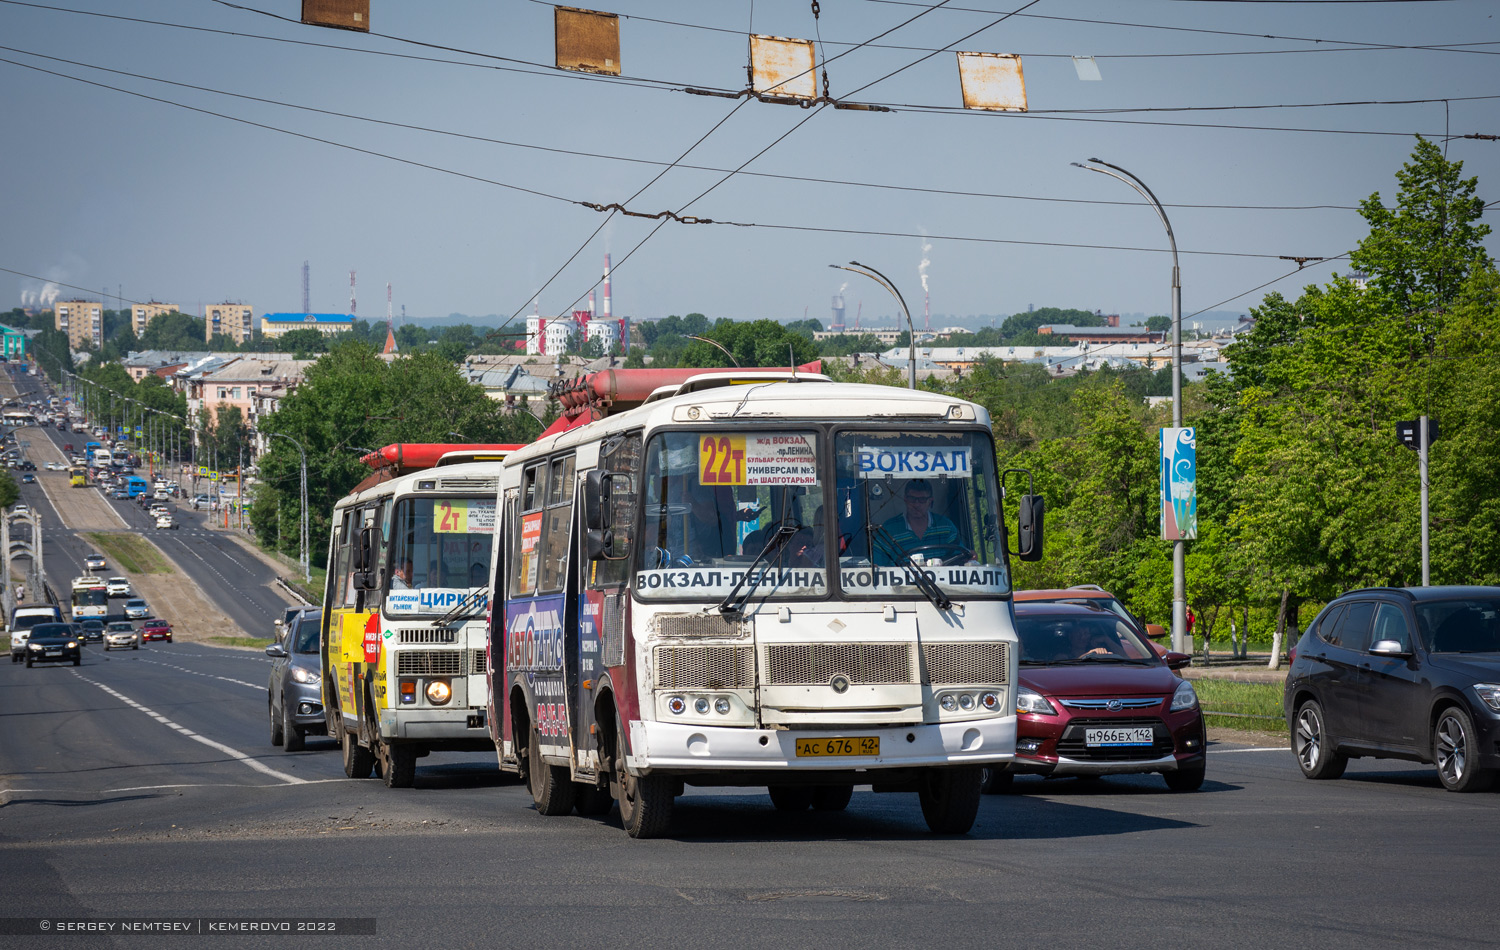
column 948, row 701
column 701, row 705
column 721, row 706
column 439, row 692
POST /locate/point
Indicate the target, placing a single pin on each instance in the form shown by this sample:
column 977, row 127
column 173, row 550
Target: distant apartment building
column 234, row 320
column 238, row 382
column 82, row 321
column 141, row 314
column 275, row 324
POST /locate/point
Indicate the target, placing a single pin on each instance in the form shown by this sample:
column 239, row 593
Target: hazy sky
column 104, row 189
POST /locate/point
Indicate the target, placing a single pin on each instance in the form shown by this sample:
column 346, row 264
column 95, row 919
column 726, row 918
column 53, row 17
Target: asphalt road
column 143, row 784
column 239, row 584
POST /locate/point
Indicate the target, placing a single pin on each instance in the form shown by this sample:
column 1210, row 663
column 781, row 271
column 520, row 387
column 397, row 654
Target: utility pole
column 1422, row 471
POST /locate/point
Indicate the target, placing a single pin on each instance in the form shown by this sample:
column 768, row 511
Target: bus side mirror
column 599, row 511
column 1029, row 527
column 364, row 557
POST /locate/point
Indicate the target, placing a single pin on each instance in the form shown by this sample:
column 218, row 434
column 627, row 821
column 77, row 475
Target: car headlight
column 1030, row 701
column 1185, row 698
column 35, row 646
column 1490, row 693
column 305, row 676
column 438, row 692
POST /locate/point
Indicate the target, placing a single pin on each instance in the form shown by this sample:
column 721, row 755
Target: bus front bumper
column 691, row 747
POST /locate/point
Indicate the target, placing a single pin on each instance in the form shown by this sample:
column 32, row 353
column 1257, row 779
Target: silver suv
column 294, row 693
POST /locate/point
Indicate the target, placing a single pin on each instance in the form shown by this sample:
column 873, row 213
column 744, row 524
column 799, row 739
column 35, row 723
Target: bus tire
column 397, row 763
column 950, row 799
column 358, row 762
column 832, row 797
column 551, row 787
column 791, row 797
column 645, row 800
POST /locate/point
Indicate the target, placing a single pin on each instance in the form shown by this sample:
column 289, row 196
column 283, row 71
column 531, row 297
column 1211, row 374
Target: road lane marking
column 221, row 747
column 211, row 676
column 1269, row 748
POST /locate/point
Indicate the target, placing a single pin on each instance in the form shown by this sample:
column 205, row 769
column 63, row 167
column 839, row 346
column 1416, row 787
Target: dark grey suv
column 295, row 690
column 1404, row 673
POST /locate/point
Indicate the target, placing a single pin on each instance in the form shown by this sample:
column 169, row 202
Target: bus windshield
column 440, row 553
column 90, row 597
column 918, row 500
column 724, row 511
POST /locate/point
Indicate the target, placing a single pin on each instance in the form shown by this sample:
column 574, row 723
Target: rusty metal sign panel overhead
column 783, row 67
column 339, row 14
column 587, row 41
column 992, row 81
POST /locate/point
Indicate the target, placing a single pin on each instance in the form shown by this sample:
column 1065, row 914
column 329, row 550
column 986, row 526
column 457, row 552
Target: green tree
column 349, row 399
column 758, row 343
column 173, row 331
column 303, row 342
column 10, row 492
column 1159, row 324
column 1419, row 253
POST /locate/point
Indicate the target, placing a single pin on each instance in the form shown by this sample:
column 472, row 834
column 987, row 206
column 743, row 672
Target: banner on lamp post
column 1179, row 484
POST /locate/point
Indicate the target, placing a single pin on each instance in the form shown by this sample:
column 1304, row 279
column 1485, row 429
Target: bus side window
column 526, row 534
column 343, row 580
column 618, row 457
column 559, row 516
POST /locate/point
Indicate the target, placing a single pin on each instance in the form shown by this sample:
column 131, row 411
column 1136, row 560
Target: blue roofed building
column 275, row 324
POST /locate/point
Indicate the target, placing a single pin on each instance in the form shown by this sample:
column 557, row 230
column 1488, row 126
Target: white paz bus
column 754, row 579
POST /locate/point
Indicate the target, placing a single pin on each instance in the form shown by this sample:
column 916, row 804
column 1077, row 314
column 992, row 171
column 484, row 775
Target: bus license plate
column 856, row 745
column 1139, row 735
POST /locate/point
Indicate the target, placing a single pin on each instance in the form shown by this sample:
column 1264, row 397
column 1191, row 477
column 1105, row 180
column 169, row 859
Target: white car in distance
column 164, row 521
column 117, row 587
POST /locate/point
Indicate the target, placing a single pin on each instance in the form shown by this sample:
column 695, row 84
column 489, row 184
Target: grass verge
column 1247, row 706
column 131, row 552
column 257, row 642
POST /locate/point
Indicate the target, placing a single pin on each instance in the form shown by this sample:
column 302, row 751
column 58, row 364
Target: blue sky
column 154, row 201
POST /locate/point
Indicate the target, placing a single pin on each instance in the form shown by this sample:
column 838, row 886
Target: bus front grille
column 978, row 663
column 705, row 667
column 814, row 664
column 430, row 662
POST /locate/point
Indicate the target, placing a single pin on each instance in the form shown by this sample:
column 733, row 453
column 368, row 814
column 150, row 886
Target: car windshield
column 306, row 640
column 1075, row 638
column 51, row 631
column 1461, row 626
column 1106, row 603
column 122, row 626
column 717, row 506
column 135, row 603
column 918, row 501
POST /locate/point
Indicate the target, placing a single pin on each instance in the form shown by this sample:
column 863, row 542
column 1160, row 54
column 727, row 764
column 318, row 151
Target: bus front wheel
column 645, row 800
column 950, row 799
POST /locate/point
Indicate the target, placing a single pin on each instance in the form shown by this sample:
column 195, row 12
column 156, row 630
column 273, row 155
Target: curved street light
column 1179, row 547
column 719, row 346
column 855, row 267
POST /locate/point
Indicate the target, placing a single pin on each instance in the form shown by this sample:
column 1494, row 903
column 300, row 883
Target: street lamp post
column 1179, row 547
column 855, row 267
column 306, row 569
column 911, row 330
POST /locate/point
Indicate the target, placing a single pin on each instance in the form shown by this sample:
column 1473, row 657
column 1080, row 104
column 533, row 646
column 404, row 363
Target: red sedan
column 1096, row 700
column 156, row 629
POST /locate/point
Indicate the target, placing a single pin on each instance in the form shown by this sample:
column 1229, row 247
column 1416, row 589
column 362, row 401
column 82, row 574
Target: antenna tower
column 353, row 303
column 306, row 297
column 388, row 303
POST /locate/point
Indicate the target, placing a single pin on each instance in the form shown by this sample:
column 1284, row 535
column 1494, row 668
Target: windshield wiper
column 925, row 584
column 457, row 612
column 775, row 542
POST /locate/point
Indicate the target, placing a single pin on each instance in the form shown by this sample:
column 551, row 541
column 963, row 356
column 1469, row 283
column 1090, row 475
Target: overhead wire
column 541, row 69
column 1438, row 47
column 615, row 157
column 1178, row 29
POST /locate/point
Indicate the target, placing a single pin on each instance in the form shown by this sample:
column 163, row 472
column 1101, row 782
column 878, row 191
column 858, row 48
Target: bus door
column 537, row 605
column 604, row 602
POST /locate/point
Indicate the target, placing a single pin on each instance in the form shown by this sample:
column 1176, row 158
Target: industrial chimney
column 605, row 314
column 838, row 314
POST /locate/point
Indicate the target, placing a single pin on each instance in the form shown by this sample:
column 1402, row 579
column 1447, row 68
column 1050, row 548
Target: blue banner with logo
column 1179, row 484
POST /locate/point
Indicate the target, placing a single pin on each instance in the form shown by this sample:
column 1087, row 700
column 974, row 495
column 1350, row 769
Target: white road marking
column 234, row 753
column 1269, row 748
column 196, row 673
